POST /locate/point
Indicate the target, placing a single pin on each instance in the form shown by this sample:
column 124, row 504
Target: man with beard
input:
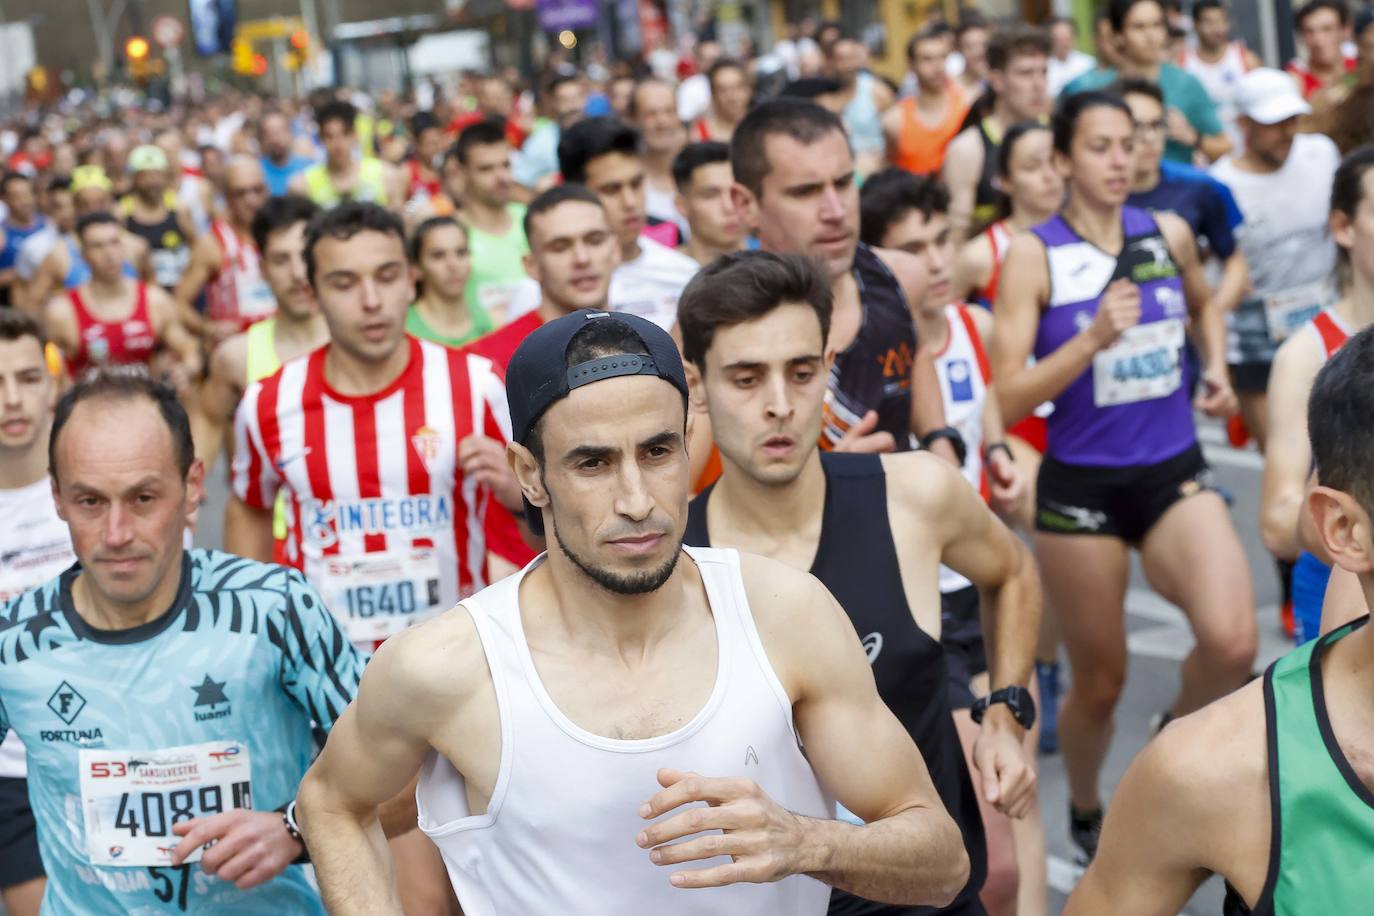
column 611, row 657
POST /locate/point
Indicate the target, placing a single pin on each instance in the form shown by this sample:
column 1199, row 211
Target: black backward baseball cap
column 539, row 374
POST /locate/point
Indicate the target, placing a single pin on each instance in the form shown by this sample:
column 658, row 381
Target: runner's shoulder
column 921, row 482
column 1298, row 359
column 433, row 666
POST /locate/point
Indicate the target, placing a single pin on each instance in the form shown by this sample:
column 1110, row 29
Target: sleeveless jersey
column 999, row 241
column 858, row 564
column 260, row 350
column 1310, row 83
column 862, row 119
column 559, row 829
column 379, row 516
column 35, row 545
column 921, row 146
column 1220, row 79
column 416, row 326
column 1330, row 330
column 128, row 341
column 217, row 703
column 1322, row 813
column 986, row 197
column 238, row 292
column 168, row 250
column 964, row 373
column 1130, row 407
column 874, row 371
column 370, row 185
column 498, row 263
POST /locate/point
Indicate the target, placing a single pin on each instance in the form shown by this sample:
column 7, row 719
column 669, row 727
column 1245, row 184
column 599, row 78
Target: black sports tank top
column 857, row 560
column 986, row 198
column 874, row 371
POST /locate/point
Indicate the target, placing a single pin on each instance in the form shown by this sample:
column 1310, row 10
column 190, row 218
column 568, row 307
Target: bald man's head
column 245, row 189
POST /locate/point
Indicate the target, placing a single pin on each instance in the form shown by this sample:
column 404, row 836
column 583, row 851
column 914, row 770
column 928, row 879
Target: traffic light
column 299, row 51
column 259, row 65
column 136, row 48
column 300, row 40
column 241, row 56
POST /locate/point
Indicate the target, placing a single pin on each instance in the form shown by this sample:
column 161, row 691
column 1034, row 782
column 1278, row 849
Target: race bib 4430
column 131, row 799
column 1145, row 363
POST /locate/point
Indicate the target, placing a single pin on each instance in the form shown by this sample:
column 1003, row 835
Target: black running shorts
column 19, row 861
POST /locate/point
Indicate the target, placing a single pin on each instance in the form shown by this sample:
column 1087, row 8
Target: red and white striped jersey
column 379, row 517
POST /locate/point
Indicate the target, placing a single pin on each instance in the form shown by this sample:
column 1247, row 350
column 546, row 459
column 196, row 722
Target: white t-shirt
column 662, row 205
column 33, row 250
column 1060, row 73
column 35, row 546
column 649, row 285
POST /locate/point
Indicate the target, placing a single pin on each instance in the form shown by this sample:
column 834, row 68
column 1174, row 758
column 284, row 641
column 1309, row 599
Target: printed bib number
column 256, row 300
column 132, row 799
column 380, row 594
column 1144, row 364
column 1289, row 310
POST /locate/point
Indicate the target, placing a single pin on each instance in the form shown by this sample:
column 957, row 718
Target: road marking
column 1062, row 874
column 1172, row 638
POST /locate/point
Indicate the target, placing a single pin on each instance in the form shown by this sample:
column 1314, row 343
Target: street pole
column 103, row 24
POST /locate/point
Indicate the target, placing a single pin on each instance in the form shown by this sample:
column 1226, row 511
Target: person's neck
column 586, row 616
column 932, row 329
column 281, row 160
column 1134, row 69
column 294, row 334
column 658, row 167
column 486, row 216
column 550, row 310
column 768, row 513
column 1247, row 161
column 927, row 96
column 1211, row 55
column 630, row 251
column 109, row 289
column 103, row 613
column 341, row 169
column 354, row 377
column 1144, row 182
column 719, row 120
column 450, row 317
column 1100, row 226
column 1026, row 217
column 22, row 224
column 1329, row 71
column 22, row 467
column 1356, row 307
column 703, row 253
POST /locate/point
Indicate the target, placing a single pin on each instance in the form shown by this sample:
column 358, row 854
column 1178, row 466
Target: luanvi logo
column 210, row 693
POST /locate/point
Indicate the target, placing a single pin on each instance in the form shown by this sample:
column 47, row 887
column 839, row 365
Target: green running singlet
column 1321, row 856
column 498, row 263
column 416, row 326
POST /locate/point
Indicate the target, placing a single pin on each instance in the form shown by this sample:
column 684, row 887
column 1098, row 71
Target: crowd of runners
column 705, row 484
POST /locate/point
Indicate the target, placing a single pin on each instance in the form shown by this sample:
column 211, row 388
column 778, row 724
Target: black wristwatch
column 288, row 819
column 1018, row 700
column 956, row 441
column 998, row 447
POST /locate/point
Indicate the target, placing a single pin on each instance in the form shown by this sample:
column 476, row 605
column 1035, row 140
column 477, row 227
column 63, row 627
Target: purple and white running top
column 1131, row 407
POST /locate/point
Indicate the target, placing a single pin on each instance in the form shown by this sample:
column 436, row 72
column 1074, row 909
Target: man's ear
column 696, row 389
column 526, row 471
column 1343, row 527
column 746, row 205
column 195, row 483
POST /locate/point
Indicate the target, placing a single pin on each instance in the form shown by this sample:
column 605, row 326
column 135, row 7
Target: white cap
column 1268, row 96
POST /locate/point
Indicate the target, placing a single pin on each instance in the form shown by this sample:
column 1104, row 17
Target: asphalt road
column 1158, row 637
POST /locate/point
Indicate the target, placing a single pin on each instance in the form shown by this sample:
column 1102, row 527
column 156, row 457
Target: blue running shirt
column 245, row 663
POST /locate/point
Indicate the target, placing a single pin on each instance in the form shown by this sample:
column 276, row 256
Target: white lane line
column 1172, row 639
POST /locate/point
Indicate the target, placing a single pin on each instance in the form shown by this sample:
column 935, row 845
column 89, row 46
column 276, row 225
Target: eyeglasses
column 255, row 190
column 1151, row 127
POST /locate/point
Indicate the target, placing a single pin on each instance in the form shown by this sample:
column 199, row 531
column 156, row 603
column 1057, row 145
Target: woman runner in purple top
column 1101, row 295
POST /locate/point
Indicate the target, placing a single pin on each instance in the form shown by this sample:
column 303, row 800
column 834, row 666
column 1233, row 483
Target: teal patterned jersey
column 246, row 668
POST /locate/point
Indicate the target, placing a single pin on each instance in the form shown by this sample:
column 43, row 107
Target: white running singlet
column 558, row 833
column 1220, row 80
column 35, row 546
column 963, row 370
column 379, row 516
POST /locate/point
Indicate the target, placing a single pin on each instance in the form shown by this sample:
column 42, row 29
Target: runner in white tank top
column 1225, row 62
column 568, row 723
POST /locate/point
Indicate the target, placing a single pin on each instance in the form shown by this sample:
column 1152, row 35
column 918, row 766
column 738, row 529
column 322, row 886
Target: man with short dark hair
column 1269, row 787
column 604, row 154
column 1017, row 57
column 1323, row 26
column 343, row 175
column 612, row 655
column 1217, row 61
column 862, row 99
column 22, row 220
column 730, row 95
column 169, row 699
column 1066, row 62
column 874, row 530
column 564, row 100
column 920, row 126
column 277, row 152
column 1137, row 27
column 423, row 182
column 35, row 546
column 495, row 222
column 703, row 176
column 794, row 175
column 296, row 328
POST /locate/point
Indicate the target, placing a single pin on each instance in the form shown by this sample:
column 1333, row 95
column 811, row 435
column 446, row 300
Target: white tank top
column 559, row 832
column 1220, row 80
column 962, row 367
column 35, row 546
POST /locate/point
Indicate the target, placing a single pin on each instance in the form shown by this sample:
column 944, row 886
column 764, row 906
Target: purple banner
column 557, row 15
